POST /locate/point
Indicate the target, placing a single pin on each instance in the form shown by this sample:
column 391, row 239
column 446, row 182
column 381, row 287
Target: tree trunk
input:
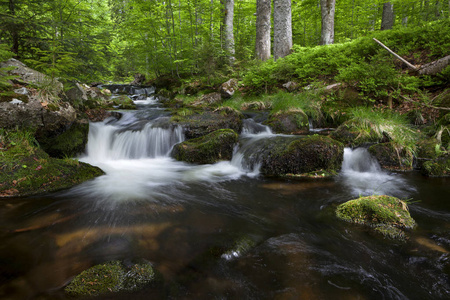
column 14, row 30
column 262, row 43
column 328, row 9
column 388, row 18
column 435, row 67
column 228, row 30
column 282, row 28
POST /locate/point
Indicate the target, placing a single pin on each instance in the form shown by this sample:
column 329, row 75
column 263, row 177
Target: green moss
column 68, row 144
column 25, row 169
column 439, row 167
column 10, row 95
column 207, row 149
column 392, row 158
column 112, row 277
column 381, row 212
column 123, row 102
column 289, row 122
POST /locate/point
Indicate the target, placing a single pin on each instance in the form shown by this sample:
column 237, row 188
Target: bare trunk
column 228, row 30
column 328, row 9
column 262, row 44
column 388, row 18
column 282, row 28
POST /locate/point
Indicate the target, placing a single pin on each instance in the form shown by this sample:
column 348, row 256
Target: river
column 222, row 231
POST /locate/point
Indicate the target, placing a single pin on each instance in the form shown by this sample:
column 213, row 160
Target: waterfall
column 362, row 174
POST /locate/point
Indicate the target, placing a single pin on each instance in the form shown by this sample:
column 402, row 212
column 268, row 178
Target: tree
column 228, row 30
column 262, row 43
column 282, row 28
column 388, row 18
column 327, row 9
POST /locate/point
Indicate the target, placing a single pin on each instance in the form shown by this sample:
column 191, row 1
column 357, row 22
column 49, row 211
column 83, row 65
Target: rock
column 227, row 89
column 112, row 277
column 82, row 96
column 387, row 215
column 67, row 144
column 426, row 150
column 391, row 158
column 77, row 94
column 199, row 124
column 208, row 99
column 352, row 136
column 439, row 167
column 123, row 102
column 294, row 155
column 139, row 79
column 22, row 91
column 47, row 120
column 25, row 169
column 30, row 76
column 207, row 149
column 289, row 122
column 291, row 86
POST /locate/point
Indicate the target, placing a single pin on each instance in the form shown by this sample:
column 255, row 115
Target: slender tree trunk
column 328, row 9
column 388, row 18
column 282, row 28
column 262, row 44
column 14, row 32
column 228, row 28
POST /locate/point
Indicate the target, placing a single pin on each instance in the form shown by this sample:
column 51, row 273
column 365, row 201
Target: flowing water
column 221, row 231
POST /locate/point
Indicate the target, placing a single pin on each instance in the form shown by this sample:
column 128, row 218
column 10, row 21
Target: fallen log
column 431, row 68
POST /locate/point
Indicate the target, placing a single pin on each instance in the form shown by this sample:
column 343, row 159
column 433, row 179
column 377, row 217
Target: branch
column 412, row 67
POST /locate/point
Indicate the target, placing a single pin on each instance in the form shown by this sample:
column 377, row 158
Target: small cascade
column 250, row 127
column 363, row 175
column 111, row 142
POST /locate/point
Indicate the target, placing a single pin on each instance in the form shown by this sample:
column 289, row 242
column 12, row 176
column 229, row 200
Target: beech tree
column 387, row 20
column 328, row 10
column 228, row 30
column 262, row 43
column 282, row 28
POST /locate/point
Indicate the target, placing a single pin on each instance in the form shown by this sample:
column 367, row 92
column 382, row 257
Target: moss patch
column 208, row 149
column 439, row 167
column 386, row 214
column 392, row 158
column 112, row 277
column 25, row 169
column 289, row 122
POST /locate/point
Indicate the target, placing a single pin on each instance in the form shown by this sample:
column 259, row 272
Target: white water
column 363, row 175
column 137, row 162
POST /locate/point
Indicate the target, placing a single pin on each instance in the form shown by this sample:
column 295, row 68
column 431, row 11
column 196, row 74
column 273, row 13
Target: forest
column 97, row 40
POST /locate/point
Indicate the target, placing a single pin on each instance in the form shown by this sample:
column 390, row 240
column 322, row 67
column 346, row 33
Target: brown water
column 188, row 220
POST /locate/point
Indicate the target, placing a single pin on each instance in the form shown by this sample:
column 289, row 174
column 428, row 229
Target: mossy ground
column 112, row 277
column 207, row 149
column 25, row 169
column 386, row 214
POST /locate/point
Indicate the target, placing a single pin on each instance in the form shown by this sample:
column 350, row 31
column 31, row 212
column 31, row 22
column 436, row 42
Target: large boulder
column 289, row 122
column 25, row 169
column 391, row 157
column 227, row 89
column 199, row 124
column 207, row 149
column 293, row 156
column 27, row 75
column 387, row 215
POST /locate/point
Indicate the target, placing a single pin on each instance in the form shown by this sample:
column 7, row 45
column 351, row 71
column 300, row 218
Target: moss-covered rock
column 68, row 144
column 197, row 124
column 439, row 167
column 112, row 277
column 123, row 102
column 349, row 134
column 392, row 158
column 387, row 215
column 207, row 149
column 292, row 156
column 25, row 169
column 289, row 122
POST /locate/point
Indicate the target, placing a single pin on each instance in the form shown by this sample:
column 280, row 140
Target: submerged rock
column 207, row 149
column 385, row 214
column 112, row 277
column 289, row 122
column 391, row 158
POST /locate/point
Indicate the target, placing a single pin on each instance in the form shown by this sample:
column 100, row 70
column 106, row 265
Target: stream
column 221, row 231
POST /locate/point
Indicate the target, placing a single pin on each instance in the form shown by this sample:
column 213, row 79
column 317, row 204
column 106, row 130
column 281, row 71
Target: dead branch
column 412, row 67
